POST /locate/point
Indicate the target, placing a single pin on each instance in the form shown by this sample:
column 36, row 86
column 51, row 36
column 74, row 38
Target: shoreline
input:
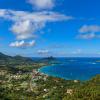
column 55, row 76
column 60, row 77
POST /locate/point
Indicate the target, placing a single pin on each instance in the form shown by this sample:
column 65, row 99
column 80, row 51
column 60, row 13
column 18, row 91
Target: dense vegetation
column 18, row 81
column 15, row 60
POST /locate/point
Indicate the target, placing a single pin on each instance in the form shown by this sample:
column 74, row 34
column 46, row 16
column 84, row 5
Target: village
column 41, row 85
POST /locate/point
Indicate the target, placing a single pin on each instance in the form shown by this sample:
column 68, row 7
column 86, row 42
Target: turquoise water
column 74, row 68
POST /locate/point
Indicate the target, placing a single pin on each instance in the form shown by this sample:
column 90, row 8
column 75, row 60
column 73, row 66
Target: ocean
column 73, row 68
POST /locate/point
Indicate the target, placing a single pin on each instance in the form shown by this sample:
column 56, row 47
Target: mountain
column 5, row 59
column 49, row 60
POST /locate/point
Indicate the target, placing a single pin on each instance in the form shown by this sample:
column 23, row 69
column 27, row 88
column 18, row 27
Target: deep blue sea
column 73, row 68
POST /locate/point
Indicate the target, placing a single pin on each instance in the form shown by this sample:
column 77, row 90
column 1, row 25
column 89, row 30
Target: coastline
column 53, row 75
column 41, row 70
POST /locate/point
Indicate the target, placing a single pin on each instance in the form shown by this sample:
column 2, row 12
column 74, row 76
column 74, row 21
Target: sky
column 60, row 28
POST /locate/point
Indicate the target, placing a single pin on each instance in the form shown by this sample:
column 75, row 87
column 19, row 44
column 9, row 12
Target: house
column 76, row 81
column 69, row 91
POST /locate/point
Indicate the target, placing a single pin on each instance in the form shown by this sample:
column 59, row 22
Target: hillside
column 5, row 59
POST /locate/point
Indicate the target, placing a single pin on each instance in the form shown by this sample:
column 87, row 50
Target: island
column 21, row 80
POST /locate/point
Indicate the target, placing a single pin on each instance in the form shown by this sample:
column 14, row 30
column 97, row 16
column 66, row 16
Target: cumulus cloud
column 22, row 44
column 89, row 36
column 89, row 29
column 26, row 24
column 23, row 29
column 43, row 52
column 78, row 51
column 42, row 4
column 89, row 32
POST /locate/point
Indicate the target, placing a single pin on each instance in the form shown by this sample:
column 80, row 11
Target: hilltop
column 5, row 59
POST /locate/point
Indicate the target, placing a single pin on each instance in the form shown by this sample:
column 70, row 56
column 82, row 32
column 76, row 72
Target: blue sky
column 62, row 28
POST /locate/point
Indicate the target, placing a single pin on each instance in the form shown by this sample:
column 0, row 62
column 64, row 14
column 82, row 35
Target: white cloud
column 26, row 24
column 88, row 36
column 42, row 4
column 22, row 44
column 78, row 51
column 89, row 29
column 89, row 32
column 43, row 52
